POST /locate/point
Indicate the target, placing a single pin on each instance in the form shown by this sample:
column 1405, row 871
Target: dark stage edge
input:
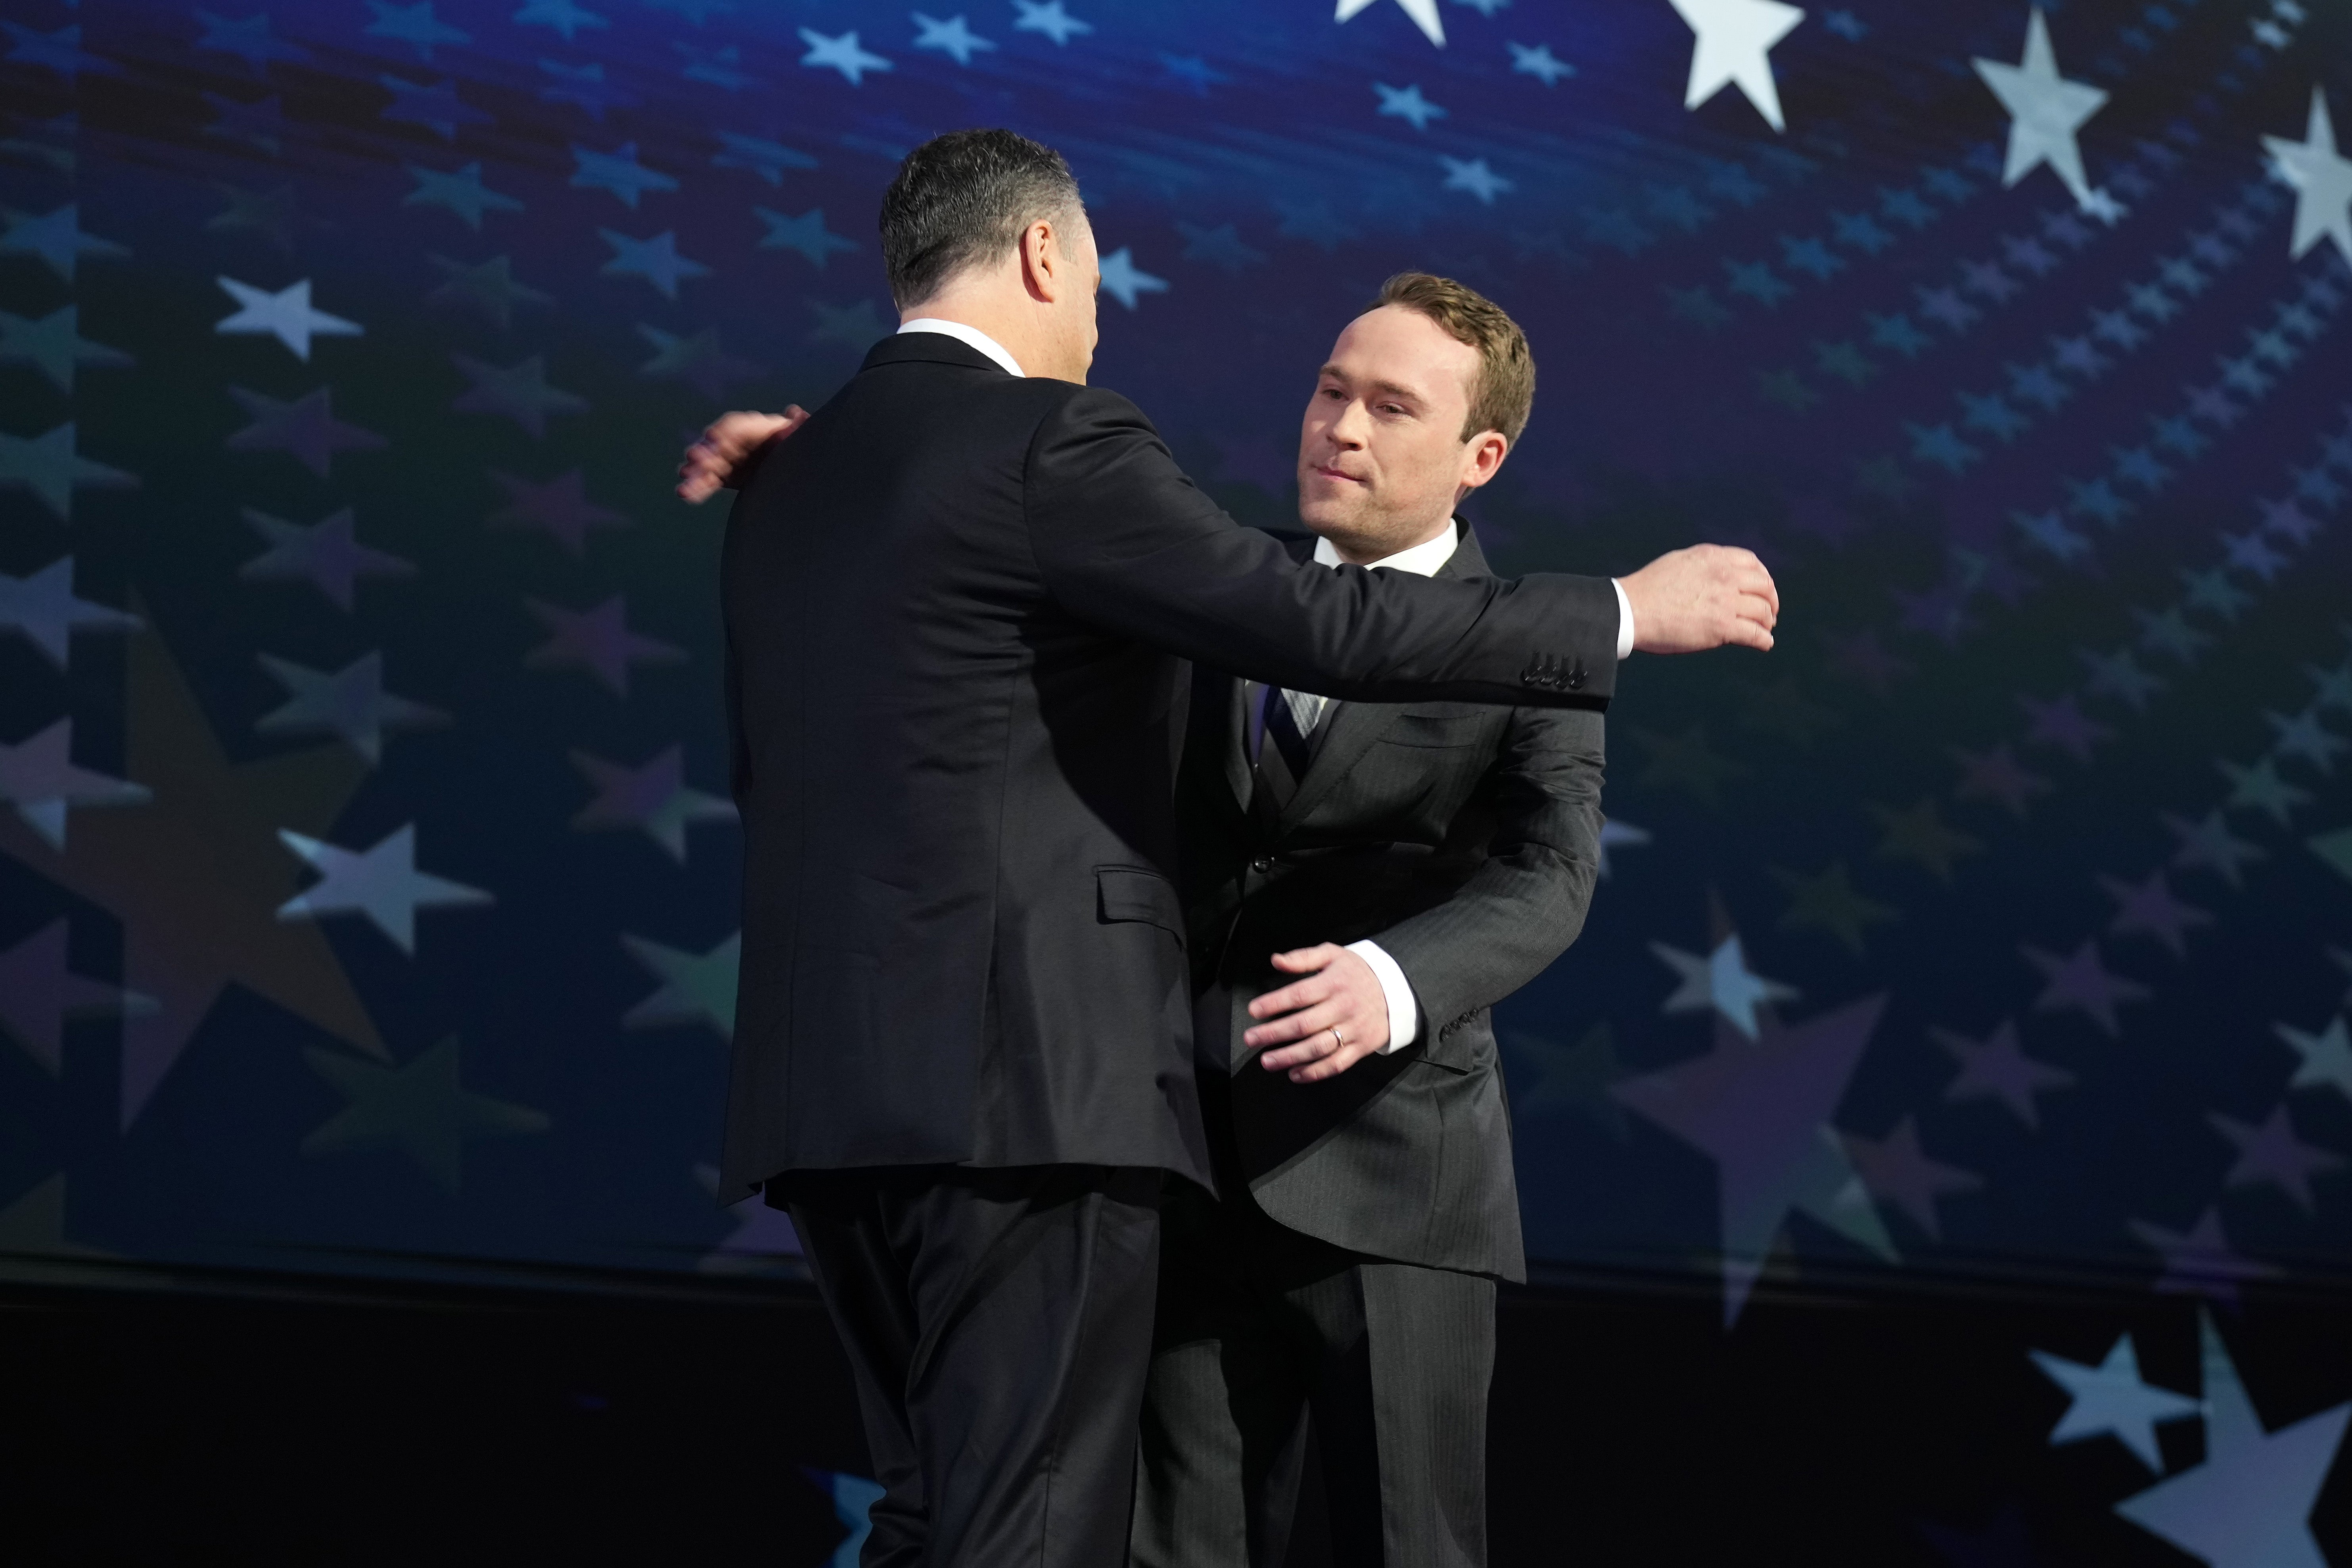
column 220, row 1418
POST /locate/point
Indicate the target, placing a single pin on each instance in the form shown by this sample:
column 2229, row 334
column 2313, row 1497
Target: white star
column 1406, row 103
column 380, row 882
column 1721, row 981
column 1474, row 178
column 285, row 315
column 1541, row 62
column 840, row 54
column 1123, row 281
column 1422, row 12
column 2326, row 1056
column 2249, row 1504
column 950, row 38
column 2110, row 1400
column 2044, row 112
column 1614, row 833
column 1050, row 19
column 2322, row 180
column 1734, row 46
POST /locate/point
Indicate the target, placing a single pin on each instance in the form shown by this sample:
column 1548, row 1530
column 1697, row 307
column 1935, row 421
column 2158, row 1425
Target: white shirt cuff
column 1404, row 1013
column 1624, row 622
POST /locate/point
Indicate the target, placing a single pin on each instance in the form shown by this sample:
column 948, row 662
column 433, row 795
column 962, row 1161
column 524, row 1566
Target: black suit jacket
column 1462, row 838
column 954, row 603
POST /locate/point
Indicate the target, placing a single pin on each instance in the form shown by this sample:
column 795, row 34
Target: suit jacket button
column 1261, row 865
column 1575, row 678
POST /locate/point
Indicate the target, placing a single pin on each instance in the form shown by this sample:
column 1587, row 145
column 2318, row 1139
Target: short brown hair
column 1505, row 393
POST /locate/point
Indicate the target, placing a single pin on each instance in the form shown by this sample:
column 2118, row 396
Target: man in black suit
column 1418, row 862
column 956, row 605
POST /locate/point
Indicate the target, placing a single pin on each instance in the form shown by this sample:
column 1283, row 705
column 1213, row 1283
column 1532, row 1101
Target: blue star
column 1720, row 981
column 2098, row 499
column 57, row 238
column 1810, row 256
column 656, row 261
column 413, row 25
column 54, row 345
column 436, row 108
column 462, row 193
column 1904, row 207
column 50, row 466
column 1897, row 333
column 840, row 54
column 1123, row 281
column 653, row 797
column 2249, row 1504
column 1406, row 103
column 1737, row 185
column 695, row 987
column 769, row 160
column 350, row 703
column 42, row 609
column 380, row 882
column 2110, row 1400
column 718, row 67
column 695, row 11
column 2210, row 845
column 420, row 1108
column 1759, row 282
column 597, row 640
column 250, row 40
column 61, row 51
column 1940, row 445
column 699, row 361
column 1846, row 26
column 1485, row 8
column 285, row 315
column 328, row 554
column 1540, row 62
column 519, row 391
column 1050, row 19
column 1861, row 231
column 1993, row 417
column 1194, row 71
column 1761, row 1108
column 584, row 86
column 805, row 233
column 490, row 290
column 853, row 326
column 1474, row 178
column 2324, row 1055
column 617, row 172
column 562, row 16
column 306, row 428
column 38, row 778
column 1219, row 247
column 1314, row 222
column 2118, row 675
column 950, row 38
column 558, row 508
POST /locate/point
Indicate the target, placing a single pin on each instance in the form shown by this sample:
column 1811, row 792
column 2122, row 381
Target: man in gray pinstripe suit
column 1363, row 880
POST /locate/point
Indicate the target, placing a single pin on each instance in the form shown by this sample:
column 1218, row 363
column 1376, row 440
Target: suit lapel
column 1238, row 776
column 1349, row 729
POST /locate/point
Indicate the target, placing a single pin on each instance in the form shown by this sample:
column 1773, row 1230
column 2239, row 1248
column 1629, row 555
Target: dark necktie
column 1286, row 747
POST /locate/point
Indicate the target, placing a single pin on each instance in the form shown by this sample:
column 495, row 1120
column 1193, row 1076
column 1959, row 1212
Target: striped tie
column 1287, row 720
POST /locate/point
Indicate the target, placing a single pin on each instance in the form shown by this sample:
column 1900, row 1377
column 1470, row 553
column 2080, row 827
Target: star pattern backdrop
column 367, row 880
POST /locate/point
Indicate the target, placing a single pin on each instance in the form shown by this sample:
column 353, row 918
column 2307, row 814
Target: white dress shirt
column 1425, row 559
column 972, row 336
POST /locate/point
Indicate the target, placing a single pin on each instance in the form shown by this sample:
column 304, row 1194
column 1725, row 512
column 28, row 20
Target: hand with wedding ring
column 1336, row 1011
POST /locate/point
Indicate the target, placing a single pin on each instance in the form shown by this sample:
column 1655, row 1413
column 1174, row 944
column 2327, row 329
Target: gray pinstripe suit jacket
column 1463, row 839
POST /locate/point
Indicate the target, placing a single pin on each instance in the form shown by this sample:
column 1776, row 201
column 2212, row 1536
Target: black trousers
column 1257, row 1327
column 999, row 1324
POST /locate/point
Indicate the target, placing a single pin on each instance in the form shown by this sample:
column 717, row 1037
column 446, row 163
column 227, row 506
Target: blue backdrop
column 367, row 901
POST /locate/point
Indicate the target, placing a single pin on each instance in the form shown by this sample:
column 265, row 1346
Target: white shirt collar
column 972, row 336
column 1423, row 560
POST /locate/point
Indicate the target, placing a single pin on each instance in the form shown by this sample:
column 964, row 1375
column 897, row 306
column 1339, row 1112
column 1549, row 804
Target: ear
column 1046, row 269
column 1483, row 456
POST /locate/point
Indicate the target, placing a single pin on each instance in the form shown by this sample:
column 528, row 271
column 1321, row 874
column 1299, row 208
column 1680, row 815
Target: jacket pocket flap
column 1132, row 893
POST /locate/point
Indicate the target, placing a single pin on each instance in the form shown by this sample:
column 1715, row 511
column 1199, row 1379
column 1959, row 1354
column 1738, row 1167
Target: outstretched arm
column 728, row 452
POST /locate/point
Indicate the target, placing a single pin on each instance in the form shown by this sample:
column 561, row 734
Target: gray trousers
column 1259, row 1326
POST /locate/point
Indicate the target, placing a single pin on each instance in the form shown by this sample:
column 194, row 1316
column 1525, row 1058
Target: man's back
column 954, row 793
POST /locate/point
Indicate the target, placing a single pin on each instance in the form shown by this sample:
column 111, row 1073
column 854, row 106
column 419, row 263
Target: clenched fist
column 1702, row 597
